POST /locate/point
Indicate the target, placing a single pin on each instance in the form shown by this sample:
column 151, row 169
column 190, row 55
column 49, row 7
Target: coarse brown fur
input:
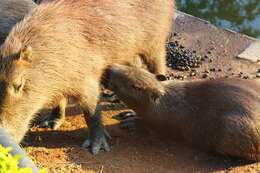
column 11, row 12
column 62, row 48
column 221, row 115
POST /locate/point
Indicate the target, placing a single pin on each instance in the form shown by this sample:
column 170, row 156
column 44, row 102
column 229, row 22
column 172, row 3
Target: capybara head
column 13, row 68
column 133, row 85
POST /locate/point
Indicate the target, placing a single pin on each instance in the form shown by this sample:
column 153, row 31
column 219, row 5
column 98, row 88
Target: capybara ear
column 18, row 85
column 25, row 54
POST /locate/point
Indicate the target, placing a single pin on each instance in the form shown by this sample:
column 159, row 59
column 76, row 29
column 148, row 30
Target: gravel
column 182, row 59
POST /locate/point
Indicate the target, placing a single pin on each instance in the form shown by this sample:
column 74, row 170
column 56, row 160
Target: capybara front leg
column 98, row 136
column 56, row 118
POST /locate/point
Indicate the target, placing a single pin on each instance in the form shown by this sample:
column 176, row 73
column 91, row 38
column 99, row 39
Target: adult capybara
column 62, row 48
column 11, row 12
column 221, row 116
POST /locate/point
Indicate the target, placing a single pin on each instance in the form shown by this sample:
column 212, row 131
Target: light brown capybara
column 220, row 116
column 11, row 12
column 62, row 48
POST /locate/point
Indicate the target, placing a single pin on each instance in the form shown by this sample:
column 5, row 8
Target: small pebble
column 246, row 77
column 192, row 74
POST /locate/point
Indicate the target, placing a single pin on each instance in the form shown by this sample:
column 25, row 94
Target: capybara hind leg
column 243, row 153
column 239, row 139
column 97, row 139
column 56, row 117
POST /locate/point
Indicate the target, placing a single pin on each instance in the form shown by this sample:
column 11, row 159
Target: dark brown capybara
column 11, row 12
column 221, row 115
column 62, row 48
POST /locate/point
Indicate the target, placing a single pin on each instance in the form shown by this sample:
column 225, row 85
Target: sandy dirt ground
column 140, row 151
column 136, row 151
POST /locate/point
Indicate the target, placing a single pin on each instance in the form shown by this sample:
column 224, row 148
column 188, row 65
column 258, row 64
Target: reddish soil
column 137, row 151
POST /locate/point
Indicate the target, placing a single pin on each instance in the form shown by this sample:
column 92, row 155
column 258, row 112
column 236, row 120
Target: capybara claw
column 128, row 120
column 125, row 115
column 47, row 123
column 86, row 144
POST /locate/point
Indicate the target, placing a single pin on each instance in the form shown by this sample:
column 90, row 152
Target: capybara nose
column 24, row 162
column 161, row 77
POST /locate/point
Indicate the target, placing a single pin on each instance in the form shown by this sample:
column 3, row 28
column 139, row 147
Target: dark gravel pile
column 182, row 59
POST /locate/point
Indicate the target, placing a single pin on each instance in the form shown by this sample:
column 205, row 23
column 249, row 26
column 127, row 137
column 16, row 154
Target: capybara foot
column 128, row 120
column 97, row 141
column 49, row 123
column 53, row 124
column 124, row 115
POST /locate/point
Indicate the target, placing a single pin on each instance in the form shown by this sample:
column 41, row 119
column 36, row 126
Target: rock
column 252, row 53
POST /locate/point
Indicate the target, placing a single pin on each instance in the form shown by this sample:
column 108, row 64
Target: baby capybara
column 221, row 116
column 62, row 48
column 11, row 12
